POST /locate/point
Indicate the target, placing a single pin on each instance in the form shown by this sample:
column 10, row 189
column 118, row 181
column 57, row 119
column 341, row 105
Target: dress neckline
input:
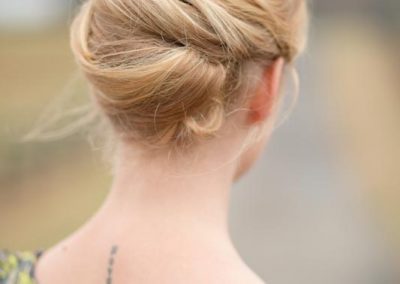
column 38, row 253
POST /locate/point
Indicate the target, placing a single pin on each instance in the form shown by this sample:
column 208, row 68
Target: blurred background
column 321, row 206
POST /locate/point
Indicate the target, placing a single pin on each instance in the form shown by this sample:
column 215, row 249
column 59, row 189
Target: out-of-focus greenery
column 46, row 189
column 362, row 68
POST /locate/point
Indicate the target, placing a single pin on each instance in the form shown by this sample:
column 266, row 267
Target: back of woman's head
column 167, row 72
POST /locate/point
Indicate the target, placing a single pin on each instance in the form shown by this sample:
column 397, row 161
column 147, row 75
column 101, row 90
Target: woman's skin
column 165, row 219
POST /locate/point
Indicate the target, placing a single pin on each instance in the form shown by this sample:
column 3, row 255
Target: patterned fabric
column 18, row 267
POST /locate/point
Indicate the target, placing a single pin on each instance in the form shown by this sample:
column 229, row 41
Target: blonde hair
column 169, row 72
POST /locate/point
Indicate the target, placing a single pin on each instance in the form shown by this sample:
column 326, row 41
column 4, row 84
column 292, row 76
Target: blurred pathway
column 300, row 216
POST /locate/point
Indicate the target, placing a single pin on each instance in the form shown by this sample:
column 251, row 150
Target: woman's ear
column 261, row 103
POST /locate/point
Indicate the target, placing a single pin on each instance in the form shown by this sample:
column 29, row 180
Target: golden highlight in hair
column 166, row 72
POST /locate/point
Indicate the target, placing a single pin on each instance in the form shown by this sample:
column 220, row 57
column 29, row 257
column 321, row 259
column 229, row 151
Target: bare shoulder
column 233, row 271
column 239, row 276
column 143, row 266
column 193, row 268
column 208, row 265
column 236, row 278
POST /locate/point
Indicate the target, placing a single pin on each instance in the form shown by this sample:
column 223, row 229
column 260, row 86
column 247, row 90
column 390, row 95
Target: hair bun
column 166, row 71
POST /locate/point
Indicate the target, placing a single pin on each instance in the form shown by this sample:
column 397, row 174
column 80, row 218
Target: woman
column 190, row 91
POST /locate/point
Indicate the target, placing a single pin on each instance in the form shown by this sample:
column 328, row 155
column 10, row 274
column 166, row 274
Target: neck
column 187, row 194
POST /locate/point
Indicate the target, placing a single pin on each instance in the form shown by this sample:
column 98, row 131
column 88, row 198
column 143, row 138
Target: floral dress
column 18, row 267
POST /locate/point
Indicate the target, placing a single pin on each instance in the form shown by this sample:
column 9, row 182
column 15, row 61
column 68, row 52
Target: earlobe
column 267, row 93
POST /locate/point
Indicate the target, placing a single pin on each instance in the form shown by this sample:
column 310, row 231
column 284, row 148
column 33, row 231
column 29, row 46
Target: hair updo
column 165, row 72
